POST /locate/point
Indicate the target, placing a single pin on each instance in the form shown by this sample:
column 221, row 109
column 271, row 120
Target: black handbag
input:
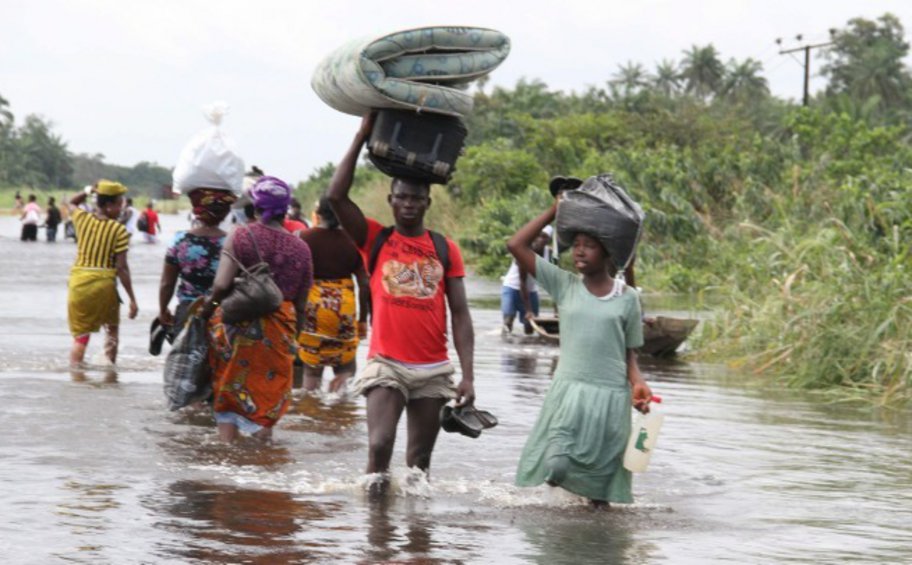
column 254, row 294
column 421, row 146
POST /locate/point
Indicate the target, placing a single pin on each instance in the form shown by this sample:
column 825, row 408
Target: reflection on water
column 584, row 536
column 103, row 377
column 311, row 413
column 228, row 524
column 389, row 536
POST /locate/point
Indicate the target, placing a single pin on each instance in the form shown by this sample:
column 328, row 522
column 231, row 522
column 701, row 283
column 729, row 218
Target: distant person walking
column 18, row 204
column 31, row 217
column 129, row 218
column 101, row 257
column 52, row 219
column 519, row 294
column 149, row 223
column 251, row 362
column 329, row 337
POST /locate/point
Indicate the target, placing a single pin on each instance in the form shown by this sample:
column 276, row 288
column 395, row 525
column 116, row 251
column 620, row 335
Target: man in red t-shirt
column 408, row 366
column 153, row 223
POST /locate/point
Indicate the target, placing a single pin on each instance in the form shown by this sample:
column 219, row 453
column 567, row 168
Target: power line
column 807, row 60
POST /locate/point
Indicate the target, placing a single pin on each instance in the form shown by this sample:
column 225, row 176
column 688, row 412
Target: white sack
column 210, row 159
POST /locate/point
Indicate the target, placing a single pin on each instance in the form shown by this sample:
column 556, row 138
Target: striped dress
column 93, row 301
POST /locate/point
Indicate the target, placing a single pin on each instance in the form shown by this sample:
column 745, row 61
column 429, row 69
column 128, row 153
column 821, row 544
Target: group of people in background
column 30, row 214
column 32, row 217
column 409, row 280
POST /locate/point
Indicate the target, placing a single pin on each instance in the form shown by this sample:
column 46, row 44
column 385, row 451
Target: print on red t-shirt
column 408, row 297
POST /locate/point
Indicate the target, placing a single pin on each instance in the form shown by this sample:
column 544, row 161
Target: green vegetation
column 34, row 158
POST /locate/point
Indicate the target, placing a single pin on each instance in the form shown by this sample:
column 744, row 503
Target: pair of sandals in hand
column 466, row 420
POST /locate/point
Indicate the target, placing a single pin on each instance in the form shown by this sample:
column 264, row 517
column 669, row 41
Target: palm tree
column 667, row 78
column 743, row 81
column 702, row 71
column 630, row 78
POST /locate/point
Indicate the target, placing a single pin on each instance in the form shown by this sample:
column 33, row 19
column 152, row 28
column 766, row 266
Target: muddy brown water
column 97, row 471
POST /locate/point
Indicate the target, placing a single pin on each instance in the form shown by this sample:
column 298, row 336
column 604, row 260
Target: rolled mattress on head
column 423, row 69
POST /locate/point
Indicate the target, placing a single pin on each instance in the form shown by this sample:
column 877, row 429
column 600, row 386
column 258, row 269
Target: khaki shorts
column 412, row 383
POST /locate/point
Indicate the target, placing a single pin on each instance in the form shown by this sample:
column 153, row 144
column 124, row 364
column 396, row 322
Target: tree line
column 34, row 156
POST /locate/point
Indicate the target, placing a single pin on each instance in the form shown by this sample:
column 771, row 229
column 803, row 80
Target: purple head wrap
column 272, row 196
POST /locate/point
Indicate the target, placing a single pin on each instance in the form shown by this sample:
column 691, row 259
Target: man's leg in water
column 384, row 408
column 423, row 427
column 112, row 338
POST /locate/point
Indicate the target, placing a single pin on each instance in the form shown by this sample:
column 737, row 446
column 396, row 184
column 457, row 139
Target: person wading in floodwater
column 411, row 284
column 579, row 438
column 101, row 259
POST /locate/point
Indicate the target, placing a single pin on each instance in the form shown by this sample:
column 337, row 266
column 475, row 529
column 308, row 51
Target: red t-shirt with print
column 408, row 297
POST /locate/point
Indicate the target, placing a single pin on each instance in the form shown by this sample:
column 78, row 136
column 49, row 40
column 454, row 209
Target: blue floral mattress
column 425, row 69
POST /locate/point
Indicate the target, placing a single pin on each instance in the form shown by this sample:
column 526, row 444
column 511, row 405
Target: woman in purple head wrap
column 271, row 197
column 252, row 361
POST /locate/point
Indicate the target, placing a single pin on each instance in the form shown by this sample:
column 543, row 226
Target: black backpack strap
column 441, row 248
column 381, row 238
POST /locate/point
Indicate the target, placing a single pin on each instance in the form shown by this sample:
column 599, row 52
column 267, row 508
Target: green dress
column 579, row 438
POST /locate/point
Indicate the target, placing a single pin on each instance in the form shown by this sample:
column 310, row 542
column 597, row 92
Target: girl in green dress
column 579, row 438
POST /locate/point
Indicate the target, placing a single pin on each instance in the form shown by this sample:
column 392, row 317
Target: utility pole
column 807, row 61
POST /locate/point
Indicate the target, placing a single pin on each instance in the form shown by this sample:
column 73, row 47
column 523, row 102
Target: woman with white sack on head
column 210, row 172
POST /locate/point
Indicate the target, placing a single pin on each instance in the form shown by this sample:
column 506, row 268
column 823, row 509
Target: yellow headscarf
column 110, row 188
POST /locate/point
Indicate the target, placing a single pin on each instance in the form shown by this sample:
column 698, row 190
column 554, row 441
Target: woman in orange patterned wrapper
column 329, row 337
column 252, row 361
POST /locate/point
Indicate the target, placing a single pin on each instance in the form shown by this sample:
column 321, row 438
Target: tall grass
column 816, row 307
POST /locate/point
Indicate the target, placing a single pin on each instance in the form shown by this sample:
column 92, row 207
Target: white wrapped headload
column 210, row 159
column 424, row 69
column 601, row 208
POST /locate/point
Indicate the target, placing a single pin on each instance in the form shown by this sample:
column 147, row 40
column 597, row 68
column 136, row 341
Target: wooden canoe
column 662, row 335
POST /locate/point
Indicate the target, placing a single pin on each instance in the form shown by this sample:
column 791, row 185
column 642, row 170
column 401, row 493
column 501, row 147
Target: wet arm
column 350, row 216
column 641, row 394
column 300, row 306
column 300, row 300
column 224, row 279
column 77, row 200
column 166, row 290
column 123, row 275
column 520, row 245
column 363, row 294
column 463, row 338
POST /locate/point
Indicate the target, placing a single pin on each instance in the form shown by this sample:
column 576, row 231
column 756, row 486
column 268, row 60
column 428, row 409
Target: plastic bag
column 186, row 373
column 210, row 159
column 602, row 209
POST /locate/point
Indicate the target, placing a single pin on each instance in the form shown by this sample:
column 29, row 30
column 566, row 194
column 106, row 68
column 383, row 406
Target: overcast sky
column 128, row 79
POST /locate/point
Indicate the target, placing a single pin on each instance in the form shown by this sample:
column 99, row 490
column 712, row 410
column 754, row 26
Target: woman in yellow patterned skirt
column 330, row 335
column 101, row 258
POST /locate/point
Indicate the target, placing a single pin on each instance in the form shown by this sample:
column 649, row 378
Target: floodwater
column 97, row 471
